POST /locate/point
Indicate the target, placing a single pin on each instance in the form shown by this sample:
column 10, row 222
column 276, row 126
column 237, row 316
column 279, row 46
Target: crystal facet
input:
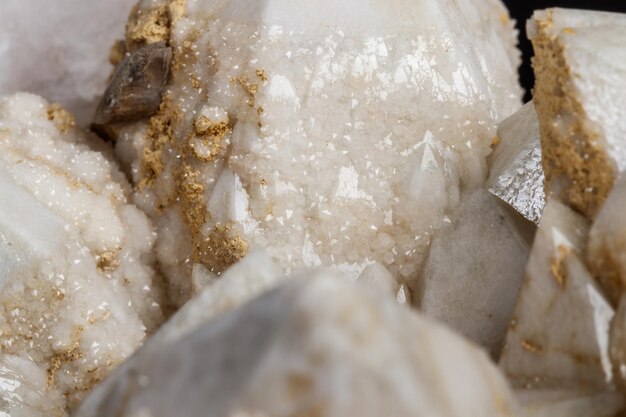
column 516, row 173
column 317, row 346
column 475, row 294
column 558, row 337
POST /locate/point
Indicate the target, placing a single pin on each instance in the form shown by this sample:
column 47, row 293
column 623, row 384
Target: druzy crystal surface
column 328, row 141
column 288, row 209
column 78, row 288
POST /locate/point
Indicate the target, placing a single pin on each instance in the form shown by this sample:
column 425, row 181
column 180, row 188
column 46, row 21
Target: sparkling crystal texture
column 516, row 174
column 78, row 289
column 329, row 141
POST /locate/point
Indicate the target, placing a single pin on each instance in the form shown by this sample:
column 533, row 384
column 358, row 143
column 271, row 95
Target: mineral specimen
column 558, row 338
column 314, row 347
column 77, row 288
column 329, row 141
column 60, row 49
column 476, row 293
column 580, row 97
column 516, row 174
column 313, row 169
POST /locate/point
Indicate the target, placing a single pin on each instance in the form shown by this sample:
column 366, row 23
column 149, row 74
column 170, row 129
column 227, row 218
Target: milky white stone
column 317, row 346
column 580, row 95
column 618, row 343
column 558, row 337
column 571, row 403
column 516, row 175
column 352, row 130
column 76, row 277
column 475, row 293
column 606, row 253
column 247, row 279
column 59, row 49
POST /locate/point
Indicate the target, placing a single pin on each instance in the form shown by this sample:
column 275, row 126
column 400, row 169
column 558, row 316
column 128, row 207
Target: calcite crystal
column 329, row 141
column 580, row 95
column 516, row 174
column 559, row 334
column 475, row 294
column 60, row 49
column 317, row 346
column 77, row 288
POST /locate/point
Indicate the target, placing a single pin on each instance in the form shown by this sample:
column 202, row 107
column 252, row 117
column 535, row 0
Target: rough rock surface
column 516, row 175
column 330, row 141
column 316, row 346
column 77, row 287
column 60, row 49
column 559, row 334
column 580, row 95
column 475, row 293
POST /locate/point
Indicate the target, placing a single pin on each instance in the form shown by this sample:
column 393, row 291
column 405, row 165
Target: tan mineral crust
column 580, row 97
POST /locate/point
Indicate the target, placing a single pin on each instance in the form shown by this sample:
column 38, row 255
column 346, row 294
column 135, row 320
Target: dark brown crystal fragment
column 137, row 85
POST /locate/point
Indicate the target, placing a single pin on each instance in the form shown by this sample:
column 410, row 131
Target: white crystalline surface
column 317, row 346
column 77, row 286
column 59, row 49
column 340, row 138
column 475, row 294
column 516, row 175
column 559, row 335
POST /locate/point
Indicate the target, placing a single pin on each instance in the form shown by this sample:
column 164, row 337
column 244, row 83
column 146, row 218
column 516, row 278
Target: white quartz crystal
column 78, row 292
column 315, row 347
column 558, row 338
column 516, row 175
column 475, row 270
column 331, row 133
column 59, row 49
column 606, row 253
column 580, row 95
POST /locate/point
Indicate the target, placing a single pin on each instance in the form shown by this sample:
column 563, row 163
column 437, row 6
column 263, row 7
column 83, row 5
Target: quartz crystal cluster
column 327, row 141
column 78, row 288
column 312, row 208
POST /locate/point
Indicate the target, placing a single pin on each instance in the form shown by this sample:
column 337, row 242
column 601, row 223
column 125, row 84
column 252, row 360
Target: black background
column 521, row 10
